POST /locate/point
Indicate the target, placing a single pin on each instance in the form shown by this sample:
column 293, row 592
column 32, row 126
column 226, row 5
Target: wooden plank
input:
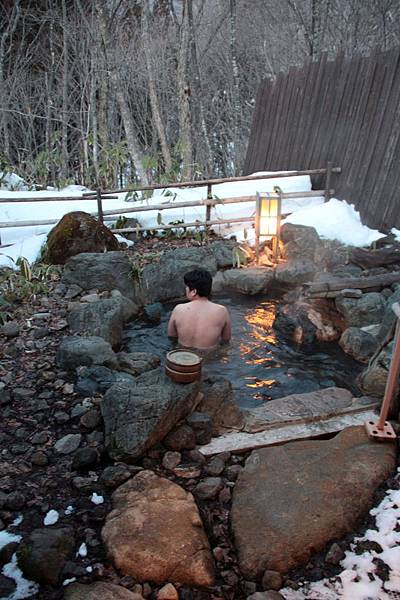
column 184, row 225
column 358, row 283
column 13, row 200
column 243, row 442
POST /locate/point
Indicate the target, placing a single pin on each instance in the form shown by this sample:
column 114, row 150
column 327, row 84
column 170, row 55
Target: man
column 199, row 323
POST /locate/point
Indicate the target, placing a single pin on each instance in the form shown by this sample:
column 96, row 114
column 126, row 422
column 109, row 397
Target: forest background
column 108, row 93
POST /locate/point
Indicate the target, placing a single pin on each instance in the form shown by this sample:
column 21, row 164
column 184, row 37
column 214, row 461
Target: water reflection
column 260, row 365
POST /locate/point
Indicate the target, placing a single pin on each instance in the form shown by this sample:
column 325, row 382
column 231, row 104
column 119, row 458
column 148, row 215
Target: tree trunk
column 185, row 127
column 154, row 101
column 197, row 93
column 235, row 77
column 64, row 129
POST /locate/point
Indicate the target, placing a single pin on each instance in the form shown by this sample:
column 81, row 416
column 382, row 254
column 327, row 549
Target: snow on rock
column 336, row 220
column 25, row 588
column 359, row 579
column 96, row 499
column 51, row 517
column 69, row 510
column 82, row 550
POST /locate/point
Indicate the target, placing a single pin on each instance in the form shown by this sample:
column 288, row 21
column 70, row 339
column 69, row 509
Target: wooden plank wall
column 346, row 111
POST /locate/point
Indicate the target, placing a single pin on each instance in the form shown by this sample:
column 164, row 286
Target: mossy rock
column 77, row 232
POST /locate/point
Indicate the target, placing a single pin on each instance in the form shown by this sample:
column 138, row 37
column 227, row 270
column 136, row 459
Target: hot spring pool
column 259, row 363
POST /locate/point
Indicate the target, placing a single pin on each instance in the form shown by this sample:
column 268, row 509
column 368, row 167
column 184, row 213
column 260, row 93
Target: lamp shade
column 268, row 211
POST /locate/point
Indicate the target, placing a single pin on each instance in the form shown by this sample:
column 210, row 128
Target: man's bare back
column 200, row 324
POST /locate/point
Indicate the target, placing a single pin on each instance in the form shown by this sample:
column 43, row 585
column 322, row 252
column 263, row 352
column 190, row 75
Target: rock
column 334, row 555
column 373, row 379
column 219, row 403
column 306, row 321
column 300, row 241
column 84, row 458
column 250, row 281
column 153, row 312
column 102, row 271
column 39, row 459
column 271, row 580
column 77, row 351
column 154, row 533
column 68, row 444
column 291, row 500
column 201, row 424
column 223, row 252
column 99, row 590
column 171, row 460
column 358, row 343
column 6, row 553
column 208, row 488
column 77, row 232
column 92, row 380
column 91, row 419
column 43, row 554
column 114, row 476
column 136, row 363
column 167, row 592
column 215, row 467
column 269, row 595
column 389, row 318
column 232, row 472
column 367, row 310
column 295, row 272
column 137, row 416
column 10, row 329
column 15, row 501
column 104, row 318
column 180, row 438
column 5, row 397
column 163, row 281
column 7, row 587
column 73, row 291
column 90, row 298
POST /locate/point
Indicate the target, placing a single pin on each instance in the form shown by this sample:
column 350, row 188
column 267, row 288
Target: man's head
column 198, row 283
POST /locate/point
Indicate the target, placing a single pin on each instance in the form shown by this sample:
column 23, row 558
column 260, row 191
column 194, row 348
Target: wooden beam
column 53, row 199
column 185, row 225
column 321, row 289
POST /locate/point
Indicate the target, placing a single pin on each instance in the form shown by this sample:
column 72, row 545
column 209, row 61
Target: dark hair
column 199, row 280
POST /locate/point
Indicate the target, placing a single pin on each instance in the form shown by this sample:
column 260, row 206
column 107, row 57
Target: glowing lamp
column 268, row 219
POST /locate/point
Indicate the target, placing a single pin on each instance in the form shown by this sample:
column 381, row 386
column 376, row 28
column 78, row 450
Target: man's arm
column 226, row 333
column 172, row 331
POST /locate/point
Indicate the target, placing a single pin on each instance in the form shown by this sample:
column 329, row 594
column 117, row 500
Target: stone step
column 241, row 441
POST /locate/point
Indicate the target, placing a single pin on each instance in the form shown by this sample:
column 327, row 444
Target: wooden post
column 278, row 227
column 208, row 207
column 99, row 206
column 257, row 227
column 328, row 182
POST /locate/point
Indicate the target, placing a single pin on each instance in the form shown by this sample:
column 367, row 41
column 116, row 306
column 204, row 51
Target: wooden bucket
column 183, row 366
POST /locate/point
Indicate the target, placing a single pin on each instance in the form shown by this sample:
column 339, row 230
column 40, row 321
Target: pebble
column 39, row 459
column 68, row 444
column 272, row 580
column 10, row 329
column 334, row 554
column 215, row 467
column 90, row 298
column 40, row 332
column 181, row 438
column 40, row 438
column 114, row 476
column 167, row 592
column 84, row 458
column 91, row 419
column 61, row 417
column 21, row 394
column 208, row 488
column 232, row 472
column 14, row 501
column 171, row 460
column 73, row 291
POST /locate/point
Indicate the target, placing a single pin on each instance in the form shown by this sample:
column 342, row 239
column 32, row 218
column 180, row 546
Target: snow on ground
column 27, row 241
column 25, row 588
column 334, row 219
column 359, row 579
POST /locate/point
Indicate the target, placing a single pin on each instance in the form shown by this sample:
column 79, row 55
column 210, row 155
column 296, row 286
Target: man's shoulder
column 219, row 307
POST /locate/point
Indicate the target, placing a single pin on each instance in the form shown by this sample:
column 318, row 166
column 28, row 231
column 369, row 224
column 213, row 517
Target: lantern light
column 268, row 219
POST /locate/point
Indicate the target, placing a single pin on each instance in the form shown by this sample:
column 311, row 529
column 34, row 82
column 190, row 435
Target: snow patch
column 51, row 517
column 96, row 499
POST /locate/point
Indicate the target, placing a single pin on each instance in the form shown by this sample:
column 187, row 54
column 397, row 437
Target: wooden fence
column 346, row 111
column 208, row 203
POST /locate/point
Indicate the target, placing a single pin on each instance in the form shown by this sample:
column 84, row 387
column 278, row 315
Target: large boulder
column 104, row 318
column 300, row 241
column 154, row 533
column 219, row 403
column 77, row 232
column 250, row 281
column 303, row 321
column 295, row 272
column 359, row 312
column 138, row 415
column 291, row 500
column 223, row 252
column 105, row 271
column 163, row 281
column 373, row 379
column 42, row 556
column 75, row 351
column 99, row 590
column 360, row 344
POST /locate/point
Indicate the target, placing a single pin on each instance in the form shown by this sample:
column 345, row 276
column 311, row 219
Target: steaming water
column 259, row 363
